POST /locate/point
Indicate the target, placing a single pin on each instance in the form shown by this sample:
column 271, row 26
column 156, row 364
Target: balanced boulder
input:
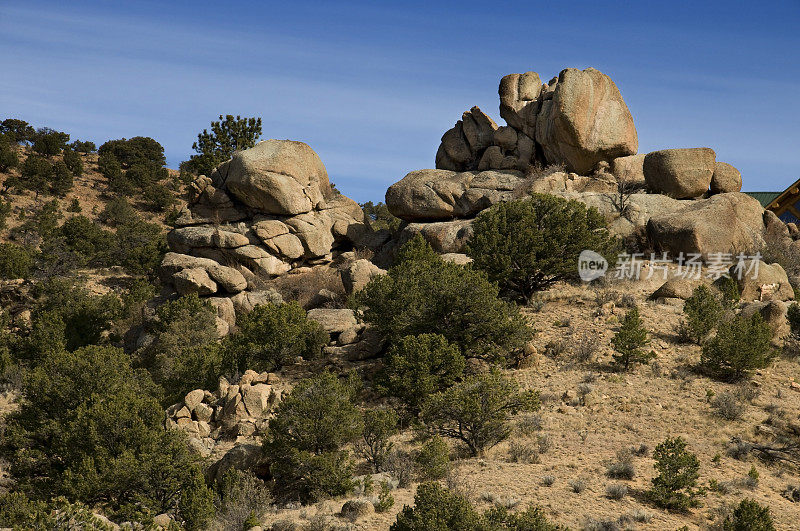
column 585, row 122
column 281, row 177
column 680, row 173
column 726, row 178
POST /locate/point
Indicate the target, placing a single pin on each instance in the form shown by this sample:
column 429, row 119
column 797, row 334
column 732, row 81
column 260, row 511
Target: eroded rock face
column 724, row 223
column 280, row 177
column 577, row 119
column 680, row 173
column 265, row 212
column 442, row 194
column 761, row 281
column 586, row 121
column 726, row 178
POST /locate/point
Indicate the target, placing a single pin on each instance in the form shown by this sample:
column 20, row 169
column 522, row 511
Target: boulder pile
column 266, row 212
column 232, row 411
column 574, row 137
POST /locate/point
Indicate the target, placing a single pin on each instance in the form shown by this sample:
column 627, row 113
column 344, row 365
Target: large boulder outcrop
column 442, row 194
column 463, row 146
column 577, row 119
column 759, row 281
column 585, row 122
column 680, row 173
column 443, row 236
column 724, row 223
column 268, row 210
column 282, row 177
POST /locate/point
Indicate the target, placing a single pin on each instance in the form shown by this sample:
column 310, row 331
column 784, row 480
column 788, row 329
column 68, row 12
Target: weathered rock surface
column 680, row 173
column 761, row 281
column 630, row 170
column 443, row 236
column 358, row 274
column 578, row 119
column 677, row 288
column 333, row 320
column 726, row 178
column 280, row 177
column 724, row 223
column 443, row 194
column 265, row 212
column 585, row 122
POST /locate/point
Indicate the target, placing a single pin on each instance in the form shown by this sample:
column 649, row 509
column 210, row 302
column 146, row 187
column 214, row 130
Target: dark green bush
column 677, row 469
column 19, row 130
column 526, row 246
column 35, row 174
column 15, row 261
column 140, row 248
column 703, row 313
column 110, row 167
column 379, row 217
column 83, row 146
column 183, row 355
column 437, row 508
column 793, row 315
column 477, row 411
column 49, row 142
column 8, row 156
column 629, row 341
column 88, row 240
column 139, row 150
column 741, row 345
column 433, row 459
column 90, row 428
column 74, row 206
column 305, row 438
column 61, row 179
column 117, row 212
column 86, row 317
column 499, row 518
column 74, row 162
column 227, row 135
column 418, row 366
column 423, row 294
column 374, row 445
column 749, row 516
column 272, row 335
column 159, row 197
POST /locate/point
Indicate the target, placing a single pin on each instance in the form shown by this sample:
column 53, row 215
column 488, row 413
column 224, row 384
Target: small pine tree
column 629, row 340
column 677, row 475
column 477, row 410
column 227, row 135
column 741, row 345
column 703, row 312
column 374, row 445
column 528, row 245
column 749, row 516
column 433, row 459
column 417, row 366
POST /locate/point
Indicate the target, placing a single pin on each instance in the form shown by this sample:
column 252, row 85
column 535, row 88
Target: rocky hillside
column 297, row 368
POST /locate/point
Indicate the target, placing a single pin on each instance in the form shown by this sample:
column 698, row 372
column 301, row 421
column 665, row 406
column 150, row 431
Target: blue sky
column 371, row 86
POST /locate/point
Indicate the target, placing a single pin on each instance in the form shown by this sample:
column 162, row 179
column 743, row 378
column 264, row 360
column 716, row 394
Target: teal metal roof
column 764, row 198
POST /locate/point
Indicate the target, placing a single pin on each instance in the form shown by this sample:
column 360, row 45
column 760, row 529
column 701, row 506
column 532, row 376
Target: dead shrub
column 728, row 406
column 519, row 452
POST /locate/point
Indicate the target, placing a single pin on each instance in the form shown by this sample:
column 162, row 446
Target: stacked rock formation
column 267, row 211
column 233, row 410
column 578, row 119
column 574, row 137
